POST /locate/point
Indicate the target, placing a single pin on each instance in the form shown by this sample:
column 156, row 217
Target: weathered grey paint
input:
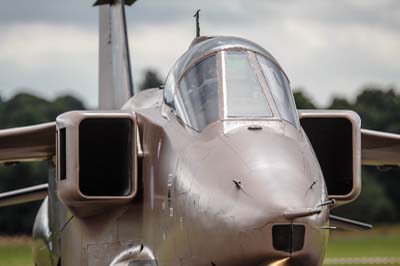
column 204, row 198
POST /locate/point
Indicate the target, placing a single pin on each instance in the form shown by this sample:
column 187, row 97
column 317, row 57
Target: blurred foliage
column 22, row 110
column 379, row 109
column 151, row 80
column 302, row 100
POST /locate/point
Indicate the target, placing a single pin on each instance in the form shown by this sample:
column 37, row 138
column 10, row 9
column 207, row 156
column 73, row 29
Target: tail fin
column 115, row 76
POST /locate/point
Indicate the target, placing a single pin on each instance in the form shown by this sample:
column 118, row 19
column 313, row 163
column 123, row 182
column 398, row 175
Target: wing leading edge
column 23, row 195
column 31, row 143
column 380, row 148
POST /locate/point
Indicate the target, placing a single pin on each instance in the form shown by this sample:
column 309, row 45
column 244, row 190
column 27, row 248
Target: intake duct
column 288, row 237
column 96, row 160
column 335, row 136
column 105, row 157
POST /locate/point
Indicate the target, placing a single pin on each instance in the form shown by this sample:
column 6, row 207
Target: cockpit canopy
column 225, row 78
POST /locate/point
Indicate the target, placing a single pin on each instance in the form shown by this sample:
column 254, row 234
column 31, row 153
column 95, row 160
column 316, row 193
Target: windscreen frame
column 224, row 88
column 179, row 99
column 288, row 90
column 251, row 55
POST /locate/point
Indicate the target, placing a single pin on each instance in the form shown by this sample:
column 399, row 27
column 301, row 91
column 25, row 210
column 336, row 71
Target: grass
column 384, row 241
column 15, row 251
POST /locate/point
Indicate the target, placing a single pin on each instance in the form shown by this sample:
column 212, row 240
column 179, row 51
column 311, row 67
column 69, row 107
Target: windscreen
column 280, row 90
column 244, row 96
column 197, row 99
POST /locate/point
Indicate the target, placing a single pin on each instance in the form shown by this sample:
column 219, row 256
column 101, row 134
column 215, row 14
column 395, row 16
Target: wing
column 30, row 143
column 380, row 148
column 348, row 224
column 23, row 195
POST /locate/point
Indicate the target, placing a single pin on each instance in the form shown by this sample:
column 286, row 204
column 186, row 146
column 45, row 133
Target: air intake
column 96, row 160
column 288, row 237
column 336, row 139
column 105, row 156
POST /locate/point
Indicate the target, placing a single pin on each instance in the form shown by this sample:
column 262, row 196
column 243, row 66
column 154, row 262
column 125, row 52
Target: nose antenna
column 197, row 16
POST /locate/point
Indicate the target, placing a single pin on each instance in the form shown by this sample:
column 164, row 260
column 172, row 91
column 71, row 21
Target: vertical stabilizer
column 115, row 76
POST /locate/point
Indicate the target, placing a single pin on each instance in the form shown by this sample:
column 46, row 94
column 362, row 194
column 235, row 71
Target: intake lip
column 288, row 237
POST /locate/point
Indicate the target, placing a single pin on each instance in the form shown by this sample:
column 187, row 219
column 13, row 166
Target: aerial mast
column 197, row 16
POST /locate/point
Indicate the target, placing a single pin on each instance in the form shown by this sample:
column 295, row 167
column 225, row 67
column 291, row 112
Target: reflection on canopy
column 242, row 91
column 198, row 93
column 233, row 74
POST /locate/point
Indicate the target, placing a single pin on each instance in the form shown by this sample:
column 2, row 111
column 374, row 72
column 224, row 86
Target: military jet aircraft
column 216, row 168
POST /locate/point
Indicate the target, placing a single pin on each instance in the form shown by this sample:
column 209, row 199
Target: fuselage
column 213, row 190
column 191, row 180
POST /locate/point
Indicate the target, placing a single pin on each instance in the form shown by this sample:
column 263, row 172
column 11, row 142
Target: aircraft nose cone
column 283, row 175
column 243, row 185
column 277, row 173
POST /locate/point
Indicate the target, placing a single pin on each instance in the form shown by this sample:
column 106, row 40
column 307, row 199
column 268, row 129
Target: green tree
column 302, row 100
column 373, row 205
column 151, row 80
column 340, row 104
column 379, row 109
column 21, row 110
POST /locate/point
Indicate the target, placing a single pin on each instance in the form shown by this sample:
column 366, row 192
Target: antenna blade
column 115, row 77
column 197, row 16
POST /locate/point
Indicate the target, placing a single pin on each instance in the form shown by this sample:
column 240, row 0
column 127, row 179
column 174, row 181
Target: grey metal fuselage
column 190, row 212
column 207, row 197
column 189, row 179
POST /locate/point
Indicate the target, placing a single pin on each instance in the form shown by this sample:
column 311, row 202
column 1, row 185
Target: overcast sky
column 329, row 48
